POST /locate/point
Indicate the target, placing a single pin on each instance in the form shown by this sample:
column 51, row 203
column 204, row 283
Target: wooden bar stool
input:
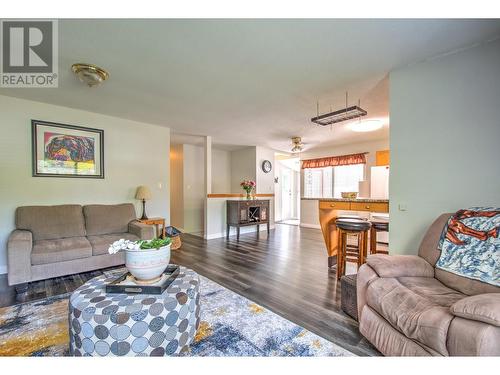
column 332, row 226
column 351, row 227
column 378, row 225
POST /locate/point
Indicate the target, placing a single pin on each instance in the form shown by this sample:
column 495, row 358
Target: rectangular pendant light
column 339, row 116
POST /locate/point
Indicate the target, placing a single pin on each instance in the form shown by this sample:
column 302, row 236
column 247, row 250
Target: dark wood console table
column 243, row 213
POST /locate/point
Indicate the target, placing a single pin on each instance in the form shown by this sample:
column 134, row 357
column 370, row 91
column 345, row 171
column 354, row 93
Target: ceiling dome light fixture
column 366, row 126
column 89, row 74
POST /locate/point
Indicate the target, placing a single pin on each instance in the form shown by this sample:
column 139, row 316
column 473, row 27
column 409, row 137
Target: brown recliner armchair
column 408, row 307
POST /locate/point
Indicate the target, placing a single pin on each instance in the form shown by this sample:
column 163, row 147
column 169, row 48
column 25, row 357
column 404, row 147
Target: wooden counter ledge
column 359, row 200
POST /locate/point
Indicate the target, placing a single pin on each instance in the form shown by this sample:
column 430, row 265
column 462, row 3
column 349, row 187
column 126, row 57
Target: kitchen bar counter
column 361, row 200
column 329, row 210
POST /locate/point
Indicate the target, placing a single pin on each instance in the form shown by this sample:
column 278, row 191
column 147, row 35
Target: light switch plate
column 402, row 207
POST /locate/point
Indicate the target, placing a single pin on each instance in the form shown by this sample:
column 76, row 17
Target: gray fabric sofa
column 51, row 241
column 408, row 307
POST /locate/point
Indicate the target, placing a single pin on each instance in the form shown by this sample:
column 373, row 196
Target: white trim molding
column 244, row 230
column 312, row 226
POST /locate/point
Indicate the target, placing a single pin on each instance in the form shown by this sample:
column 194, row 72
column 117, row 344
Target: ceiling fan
column 297, row 144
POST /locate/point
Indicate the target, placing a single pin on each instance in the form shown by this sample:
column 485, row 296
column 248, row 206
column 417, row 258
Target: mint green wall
column 445, row 140
column 265, row 181
column 135, row 154
column 194, row 193
column 243, row 167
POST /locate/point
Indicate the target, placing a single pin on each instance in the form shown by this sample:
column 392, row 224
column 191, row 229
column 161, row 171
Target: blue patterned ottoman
column 103, row 324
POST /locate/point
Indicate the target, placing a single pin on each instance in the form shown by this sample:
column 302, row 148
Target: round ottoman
column 102, row 324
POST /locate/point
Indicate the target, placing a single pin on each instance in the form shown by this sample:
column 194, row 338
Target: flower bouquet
column 248, row 186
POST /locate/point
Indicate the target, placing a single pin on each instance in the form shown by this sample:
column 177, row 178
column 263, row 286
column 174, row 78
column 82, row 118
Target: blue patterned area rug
column 231, row 325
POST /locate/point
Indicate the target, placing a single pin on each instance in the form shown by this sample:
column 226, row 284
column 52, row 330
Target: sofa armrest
column 19, row 246
column 141, row 230
column 365, row 276
column 482, row 307
column 400, row 266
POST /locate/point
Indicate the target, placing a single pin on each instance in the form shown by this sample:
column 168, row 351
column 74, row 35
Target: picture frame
column 61, row 150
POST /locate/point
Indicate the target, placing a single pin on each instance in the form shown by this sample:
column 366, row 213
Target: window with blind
column 330, row 182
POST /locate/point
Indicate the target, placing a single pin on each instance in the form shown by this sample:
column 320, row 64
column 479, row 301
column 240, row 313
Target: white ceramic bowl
column 147, row 265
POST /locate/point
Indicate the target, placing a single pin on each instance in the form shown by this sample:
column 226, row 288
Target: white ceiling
column 247, row 82
column 199, row 140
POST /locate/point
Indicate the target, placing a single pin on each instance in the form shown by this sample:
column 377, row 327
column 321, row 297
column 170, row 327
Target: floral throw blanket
column 470, row 244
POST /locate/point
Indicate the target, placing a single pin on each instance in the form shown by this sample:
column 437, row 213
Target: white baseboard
column 3, row 269
column 214, row 235
column 313, row 226
column 233, row 231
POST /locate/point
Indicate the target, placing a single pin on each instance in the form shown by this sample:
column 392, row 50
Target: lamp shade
column 143, row 192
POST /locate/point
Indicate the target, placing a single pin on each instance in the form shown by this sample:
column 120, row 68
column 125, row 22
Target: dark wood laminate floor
column 285, row 272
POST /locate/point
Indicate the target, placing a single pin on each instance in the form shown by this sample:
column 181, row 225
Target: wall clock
column 267, row 166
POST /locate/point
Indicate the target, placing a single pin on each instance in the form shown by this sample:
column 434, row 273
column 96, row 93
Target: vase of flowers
column 145, row 260
column 248, row 186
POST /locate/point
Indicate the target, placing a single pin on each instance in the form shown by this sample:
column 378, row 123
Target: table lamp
column 143, row 193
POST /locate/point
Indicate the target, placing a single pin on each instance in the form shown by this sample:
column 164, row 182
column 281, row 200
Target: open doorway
column 288, row 189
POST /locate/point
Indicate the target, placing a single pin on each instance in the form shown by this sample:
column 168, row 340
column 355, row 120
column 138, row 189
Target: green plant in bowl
column 155, row 243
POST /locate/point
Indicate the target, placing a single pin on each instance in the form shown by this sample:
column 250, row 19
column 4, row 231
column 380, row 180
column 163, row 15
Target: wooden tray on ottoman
column 125, row 284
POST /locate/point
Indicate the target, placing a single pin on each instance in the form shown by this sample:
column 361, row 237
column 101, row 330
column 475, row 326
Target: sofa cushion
column 482, row 307
column 464, row 285
column 60, row 250
column 418, row 307
column 400, row 265
column 108, row 219
column 100, row 244
column 51, row 222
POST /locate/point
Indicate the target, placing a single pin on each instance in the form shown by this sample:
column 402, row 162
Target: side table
column 157, row 222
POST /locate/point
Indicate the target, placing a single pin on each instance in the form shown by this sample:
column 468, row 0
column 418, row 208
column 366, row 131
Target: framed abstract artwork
column 61, row 150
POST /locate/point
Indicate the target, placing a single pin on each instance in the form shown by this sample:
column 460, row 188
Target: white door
column 286, row 193
column 296, row 195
